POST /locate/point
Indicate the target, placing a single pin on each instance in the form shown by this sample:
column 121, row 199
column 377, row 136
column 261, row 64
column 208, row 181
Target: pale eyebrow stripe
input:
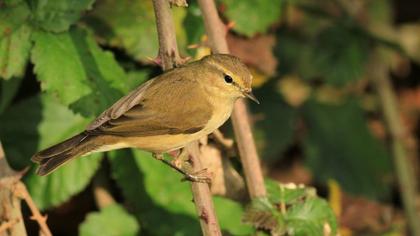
column 220, row 67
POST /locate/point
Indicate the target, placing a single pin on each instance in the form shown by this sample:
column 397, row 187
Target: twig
column 217, row 37
column 168, row 53
column 22, row 192
column 397, row 132
column 10, row 211
column 8, row 224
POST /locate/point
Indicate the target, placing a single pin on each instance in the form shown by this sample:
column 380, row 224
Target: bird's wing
column 121, row 106
column 171, row 106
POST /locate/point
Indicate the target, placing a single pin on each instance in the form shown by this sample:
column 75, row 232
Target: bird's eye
column 228, row 79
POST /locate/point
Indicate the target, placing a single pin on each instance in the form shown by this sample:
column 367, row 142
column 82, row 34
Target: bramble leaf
column 58, row 15
column 112, row 220
column 72, row 67
column 38, row 123
column 340, row 146
column 251, row 17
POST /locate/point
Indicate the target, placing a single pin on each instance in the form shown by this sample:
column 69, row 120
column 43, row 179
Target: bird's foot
column 201, row 176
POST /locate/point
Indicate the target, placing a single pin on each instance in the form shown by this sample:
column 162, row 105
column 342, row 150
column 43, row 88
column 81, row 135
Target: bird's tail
column 55, row 156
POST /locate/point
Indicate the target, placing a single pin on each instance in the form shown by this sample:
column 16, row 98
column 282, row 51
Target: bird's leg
column 199, row 176
column 181, row 158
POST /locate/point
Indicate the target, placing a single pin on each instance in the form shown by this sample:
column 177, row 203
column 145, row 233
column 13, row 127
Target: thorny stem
column 10, row 181
column 168, row 53
column 22, row 192
column 217, row 36
column 397, row 132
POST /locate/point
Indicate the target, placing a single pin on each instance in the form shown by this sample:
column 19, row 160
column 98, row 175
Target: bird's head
column 229, row 75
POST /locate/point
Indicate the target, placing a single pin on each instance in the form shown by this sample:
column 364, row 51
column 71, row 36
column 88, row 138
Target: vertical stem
column 168, row 49
column 168, row 53
column 240, row 118
column 397, row 132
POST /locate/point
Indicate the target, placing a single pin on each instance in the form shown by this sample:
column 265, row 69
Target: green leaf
column 58, row 15
column 35, row 124
column 251, row 17
column 229, row 214
column 155, row 192
column 112, row 220
column 340, row 61
column 339, row 146
column 13, row 15
column 8, row 90
column 310, row 218
column 262, row 214
column 127, row 24
column 14, row 38
column 193, row 25
column 294, row 212
column 14, row 52
column 72, row 67
column 131, row 25
column 274, row 132
column 287, row 193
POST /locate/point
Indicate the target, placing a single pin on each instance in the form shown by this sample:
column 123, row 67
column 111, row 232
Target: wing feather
column 169, row 105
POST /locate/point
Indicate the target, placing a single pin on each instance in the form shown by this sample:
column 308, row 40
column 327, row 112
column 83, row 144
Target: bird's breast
column 221, row 112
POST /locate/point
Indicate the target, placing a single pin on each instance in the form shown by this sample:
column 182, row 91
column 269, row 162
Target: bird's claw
column 200, row 177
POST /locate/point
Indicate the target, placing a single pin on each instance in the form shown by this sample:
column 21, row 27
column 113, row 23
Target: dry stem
column 22, row 192
column 12, row 187
column 168, row 53
column 217, row 36
column 397, row 132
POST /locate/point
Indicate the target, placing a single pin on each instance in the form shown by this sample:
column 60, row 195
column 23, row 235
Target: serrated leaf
column 14, row 52
column 285, row 194
column 13, row 15
column 72, row 67
column 37, row 123
column 310, row 218
column 262, row 214
column 113, row 220
column 65, row 182
column 131, row 26
column 155, row 192
column 14, row 38
column 340, row 146
column 251, row 17
column 58, row 15
column 127, row 24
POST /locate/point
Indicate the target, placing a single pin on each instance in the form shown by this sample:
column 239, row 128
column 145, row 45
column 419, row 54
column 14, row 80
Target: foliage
column 291, row 210
column 113, row 220
column 63, row 62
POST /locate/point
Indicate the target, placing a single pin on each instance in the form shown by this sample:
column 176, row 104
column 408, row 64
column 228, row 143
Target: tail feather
column 55, row 156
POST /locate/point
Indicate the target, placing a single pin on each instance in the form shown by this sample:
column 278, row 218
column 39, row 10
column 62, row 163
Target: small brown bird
column 163, row 114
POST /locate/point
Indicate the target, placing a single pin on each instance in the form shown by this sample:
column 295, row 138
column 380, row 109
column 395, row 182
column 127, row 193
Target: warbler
column 163, row 114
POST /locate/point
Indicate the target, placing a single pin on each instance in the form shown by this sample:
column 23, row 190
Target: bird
column 163, row 114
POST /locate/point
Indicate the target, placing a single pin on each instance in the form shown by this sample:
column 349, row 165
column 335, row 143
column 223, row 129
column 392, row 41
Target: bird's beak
column 251, row 96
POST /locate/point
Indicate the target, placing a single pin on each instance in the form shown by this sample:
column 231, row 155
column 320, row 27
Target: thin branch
column 8, row 224
column 168, row 53
column 216, row 33
column 397, row 132
column 10, row 210
column 22, row 192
